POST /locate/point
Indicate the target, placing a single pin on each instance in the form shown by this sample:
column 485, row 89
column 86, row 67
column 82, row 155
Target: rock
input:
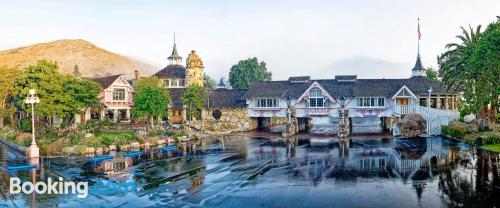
column 99, row 151
column 161, row 141
column 135, row 145
column 89, row 150
column 412, row 125
column 88, row 135
column 469, row 118
column 112, row 148
column 68, row 150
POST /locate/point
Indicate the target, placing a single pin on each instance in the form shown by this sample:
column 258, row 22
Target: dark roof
column 176, row 97
column 346, row 77
column 299, row 79
column 104, row 82
column 418, row 64
column 175, row 54
column 172, row 71
column 224, row 98
column 359, row 87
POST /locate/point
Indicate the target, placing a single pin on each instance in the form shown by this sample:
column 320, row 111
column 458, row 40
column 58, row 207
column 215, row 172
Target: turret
column 194, row 69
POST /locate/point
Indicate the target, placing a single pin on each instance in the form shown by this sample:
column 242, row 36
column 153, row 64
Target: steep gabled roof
column 105, row 82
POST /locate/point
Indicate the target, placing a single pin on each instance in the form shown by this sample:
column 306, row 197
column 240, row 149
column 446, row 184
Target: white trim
column 403, row 87
column 313, row 85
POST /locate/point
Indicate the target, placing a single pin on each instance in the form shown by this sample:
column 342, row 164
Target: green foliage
column 150, row 99
column 456, row 132
column 194, row 100
column 247, row 71
column 156, row 133
column 431, row 73
column 208, row 82
column 445, row 130
column 6, row 91
column 59, row 95
column 108, row 138
column 25, row 125
column 473, row 66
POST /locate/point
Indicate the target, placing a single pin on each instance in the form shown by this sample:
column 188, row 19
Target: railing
column 435, row 117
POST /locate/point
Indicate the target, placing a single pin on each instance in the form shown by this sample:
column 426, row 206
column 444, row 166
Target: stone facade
column 194, row 69
column 231, row 119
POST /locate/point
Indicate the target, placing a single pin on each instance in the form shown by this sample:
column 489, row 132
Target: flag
column 418, row 29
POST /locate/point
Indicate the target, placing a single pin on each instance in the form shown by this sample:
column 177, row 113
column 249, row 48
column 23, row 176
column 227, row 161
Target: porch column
column 438, row 102
column 128, row 115
column 184, row 116
column 446, row 106
column 115, row 115
column 102, row 115
column 452, row 102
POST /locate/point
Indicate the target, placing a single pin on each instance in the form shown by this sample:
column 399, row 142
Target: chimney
column 137, row 76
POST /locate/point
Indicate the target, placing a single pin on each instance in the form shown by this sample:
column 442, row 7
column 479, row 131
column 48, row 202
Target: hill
column 91, row 60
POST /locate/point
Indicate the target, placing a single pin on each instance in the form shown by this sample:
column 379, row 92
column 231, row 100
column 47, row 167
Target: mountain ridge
column 92, row 61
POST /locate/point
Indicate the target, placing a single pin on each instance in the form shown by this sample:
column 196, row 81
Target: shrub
column 456, row 132
column 93, row 142
column 25, row 125
column 497, row 118
column 75, row 138
column 445, row 130
column 156, row 133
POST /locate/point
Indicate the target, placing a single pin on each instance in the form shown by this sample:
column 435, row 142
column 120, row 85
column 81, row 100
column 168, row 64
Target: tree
column 431, row 73
column 194, row 100
column 208, row 82
column 472, row 66
column 49, row 84
column 151, row 99
column 84, row 94
column 247, row 71
column 6, row 91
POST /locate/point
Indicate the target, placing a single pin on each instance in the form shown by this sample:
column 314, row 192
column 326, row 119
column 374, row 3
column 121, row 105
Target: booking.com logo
column 69, row 187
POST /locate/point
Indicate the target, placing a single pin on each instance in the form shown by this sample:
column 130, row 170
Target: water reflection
column 233, row 170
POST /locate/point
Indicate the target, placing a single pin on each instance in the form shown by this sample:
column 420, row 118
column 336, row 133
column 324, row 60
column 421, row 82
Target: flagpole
column 418, row 36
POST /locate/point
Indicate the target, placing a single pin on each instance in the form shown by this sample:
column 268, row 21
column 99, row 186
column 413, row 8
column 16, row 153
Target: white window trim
column 125, row 96
column 256, row 100
column 376, row 101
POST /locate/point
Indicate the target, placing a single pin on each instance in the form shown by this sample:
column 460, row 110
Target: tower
column 418, row 70
column 194, row 69
column 174, row 58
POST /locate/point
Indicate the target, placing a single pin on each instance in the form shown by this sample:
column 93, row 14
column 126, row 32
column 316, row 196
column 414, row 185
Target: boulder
column 412, row 125
column 88, row 135
column 469, row 118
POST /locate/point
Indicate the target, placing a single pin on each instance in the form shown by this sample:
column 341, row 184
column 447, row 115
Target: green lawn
column 492, row 147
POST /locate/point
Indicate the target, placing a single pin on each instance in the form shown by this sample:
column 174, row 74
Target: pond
column 250, row 170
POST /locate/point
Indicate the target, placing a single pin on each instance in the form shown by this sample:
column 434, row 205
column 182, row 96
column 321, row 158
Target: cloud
column 364, row 67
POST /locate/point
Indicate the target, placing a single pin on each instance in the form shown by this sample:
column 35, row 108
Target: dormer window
column 267, row 103
column 316, row 99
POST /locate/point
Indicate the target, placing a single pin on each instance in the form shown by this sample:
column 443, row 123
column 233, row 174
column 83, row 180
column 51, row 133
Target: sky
column 371, row 39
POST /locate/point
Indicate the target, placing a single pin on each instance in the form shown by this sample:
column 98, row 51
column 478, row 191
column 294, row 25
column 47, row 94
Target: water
column 250, row 171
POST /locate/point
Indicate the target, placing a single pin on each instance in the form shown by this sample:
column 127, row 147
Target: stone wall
column 231, row 120
column 277, row 124
column 324, row 125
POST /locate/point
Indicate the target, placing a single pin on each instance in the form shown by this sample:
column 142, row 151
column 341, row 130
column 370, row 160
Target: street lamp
column 342, row 101
column 429, row 99
column 288, row 111
column 34, row 152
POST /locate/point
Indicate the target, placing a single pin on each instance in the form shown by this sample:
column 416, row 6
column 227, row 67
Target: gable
column 323, row 92
column 121, row 82
column 404, row 92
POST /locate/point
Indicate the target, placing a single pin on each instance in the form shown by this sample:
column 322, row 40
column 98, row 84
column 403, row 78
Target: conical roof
column 175, row 54
column 418, row 64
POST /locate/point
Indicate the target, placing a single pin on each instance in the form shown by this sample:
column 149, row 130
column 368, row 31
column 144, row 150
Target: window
column 182, row 82
column 423, row 102
column 119, row 94
column 266, row 103
column 166, row 82
column 316, row 99
column 174, row 82
column 371, row 102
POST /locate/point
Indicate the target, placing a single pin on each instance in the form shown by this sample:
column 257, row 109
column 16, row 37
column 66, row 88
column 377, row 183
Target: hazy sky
column 372, row 39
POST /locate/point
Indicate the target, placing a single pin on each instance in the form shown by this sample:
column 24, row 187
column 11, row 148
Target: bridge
column 435, row 117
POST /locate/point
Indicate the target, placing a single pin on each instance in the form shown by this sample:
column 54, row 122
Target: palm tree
column 453, row 63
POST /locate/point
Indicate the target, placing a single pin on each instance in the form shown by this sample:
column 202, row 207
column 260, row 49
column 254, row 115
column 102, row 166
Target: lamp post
column 429, row 99
column 288, row 111
column 34, row 152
